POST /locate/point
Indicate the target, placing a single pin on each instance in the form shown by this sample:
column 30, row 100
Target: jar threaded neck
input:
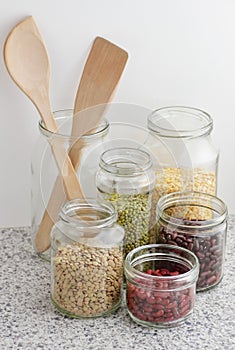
column 125, row 161
column 180, row 122
column 188, row 199
column 88, row 213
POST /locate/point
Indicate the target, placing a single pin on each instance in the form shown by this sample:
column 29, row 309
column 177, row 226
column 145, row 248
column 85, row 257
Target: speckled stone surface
column 28, row 321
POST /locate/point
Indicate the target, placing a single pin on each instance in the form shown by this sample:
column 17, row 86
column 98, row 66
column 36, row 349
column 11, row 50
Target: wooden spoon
column 101, row 74
column 27, row 62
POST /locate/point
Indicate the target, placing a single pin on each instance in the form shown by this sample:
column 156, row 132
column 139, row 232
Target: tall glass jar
column 196, row 221
column 126, row 179
column 45, row 206
column 185, row 156
column 87, row 259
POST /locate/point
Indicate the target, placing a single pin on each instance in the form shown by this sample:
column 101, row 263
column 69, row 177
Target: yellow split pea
column 171, row 179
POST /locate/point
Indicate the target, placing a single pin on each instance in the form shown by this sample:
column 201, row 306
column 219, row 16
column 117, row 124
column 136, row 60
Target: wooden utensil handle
column 50, row 216
column 64, row 163
column 70, row 190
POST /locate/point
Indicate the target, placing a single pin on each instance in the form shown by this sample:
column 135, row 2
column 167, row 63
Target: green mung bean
column 134, row 216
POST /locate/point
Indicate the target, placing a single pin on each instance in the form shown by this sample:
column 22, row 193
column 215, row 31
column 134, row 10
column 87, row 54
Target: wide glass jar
column 185, row 158
column 87, row 259
column 126, row 179
column 47, row 187
column 160, row 284
column 201, row 230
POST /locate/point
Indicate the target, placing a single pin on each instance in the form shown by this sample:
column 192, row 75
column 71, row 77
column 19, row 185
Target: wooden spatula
column 101, row 74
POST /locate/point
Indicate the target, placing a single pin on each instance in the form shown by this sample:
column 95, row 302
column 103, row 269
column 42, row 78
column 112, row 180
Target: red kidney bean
column 158, row 313
column 208, row 248
column 158, row 305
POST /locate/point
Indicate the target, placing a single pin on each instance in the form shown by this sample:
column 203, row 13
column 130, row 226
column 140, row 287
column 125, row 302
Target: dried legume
column 134, row 217
column 209, row 248
column 170, row 180
column 87, row 280
column 155, row 301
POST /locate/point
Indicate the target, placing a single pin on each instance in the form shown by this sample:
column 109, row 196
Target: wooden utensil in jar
column 101, row 74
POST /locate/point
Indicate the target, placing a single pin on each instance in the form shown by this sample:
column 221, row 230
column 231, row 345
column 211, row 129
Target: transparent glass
column 160, row 284
column 44, row 172
column 87, row 259
column 126, row 179
column 201, row 230
column 185, row 156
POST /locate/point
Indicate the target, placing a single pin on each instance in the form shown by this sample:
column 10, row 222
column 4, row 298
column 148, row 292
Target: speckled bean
column 208, row 248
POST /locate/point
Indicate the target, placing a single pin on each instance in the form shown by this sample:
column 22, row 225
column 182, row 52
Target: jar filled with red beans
column 198, row 222
column 160, row 284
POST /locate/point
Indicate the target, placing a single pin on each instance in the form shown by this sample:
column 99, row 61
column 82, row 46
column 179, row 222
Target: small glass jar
column 126, row 179
column 185, row 156
column 87, row 259
column 201, row 230
column 160, row 284
column 46, row 179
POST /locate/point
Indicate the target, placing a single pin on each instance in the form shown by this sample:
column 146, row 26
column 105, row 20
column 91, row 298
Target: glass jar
column 201, row 230
column 126, row 179
column 160, row 284
column 185, row 157
column 87, row 259
column 45, row 207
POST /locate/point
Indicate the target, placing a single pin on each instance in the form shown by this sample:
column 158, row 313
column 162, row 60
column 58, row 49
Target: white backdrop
column 181, row 52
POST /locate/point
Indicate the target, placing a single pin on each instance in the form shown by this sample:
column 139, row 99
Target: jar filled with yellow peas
column 184, row 155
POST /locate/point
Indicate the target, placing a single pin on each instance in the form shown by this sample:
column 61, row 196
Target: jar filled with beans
column 198, row 222
column 160, row 284
column 185, row 158
column 126, row 179
column 87, row 259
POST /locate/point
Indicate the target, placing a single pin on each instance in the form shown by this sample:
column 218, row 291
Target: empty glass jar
column 87, row 259
column 126, row 179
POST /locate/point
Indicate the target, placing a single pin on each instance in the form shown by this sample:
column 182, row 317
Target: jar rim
column 165, row 122
column 80, row 213
column 99, row 131
column 125, row 161
column 199, row 199
column 192, row 273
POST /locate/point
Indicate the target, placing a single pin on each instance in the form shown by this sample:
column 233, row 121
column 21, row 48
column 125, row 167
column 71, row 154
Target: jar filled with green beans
column 126, row 179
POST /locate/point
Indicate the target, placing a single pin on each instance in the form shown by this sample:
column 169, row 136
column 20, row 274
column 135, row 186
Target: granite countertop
column 28, row 320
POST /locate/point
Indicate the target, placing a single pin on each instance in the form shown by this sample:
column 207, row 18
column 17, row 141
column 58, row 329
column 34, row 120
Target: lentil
column 87, row 280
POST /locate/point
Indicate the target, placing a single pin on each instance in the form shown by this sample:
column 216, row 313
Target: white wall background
column 182, row 52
